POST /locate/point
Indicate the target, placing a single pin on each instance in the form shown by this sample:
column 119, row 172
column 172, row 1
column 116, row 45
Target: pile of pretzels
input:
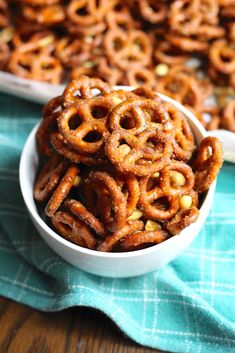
column 166, row 44
column 120, row 171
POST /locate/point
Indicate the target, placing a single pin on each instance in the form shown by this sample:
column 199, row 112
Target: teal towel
column 188, row 306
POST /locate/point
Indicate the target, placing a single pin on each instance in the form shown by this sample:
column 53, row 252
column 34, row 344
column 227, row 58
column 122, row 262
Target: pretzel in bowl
column 135, row 186
column 209, row 161
column 73, row 229
column 83, row 88
column 138, row 157
column 89, row 116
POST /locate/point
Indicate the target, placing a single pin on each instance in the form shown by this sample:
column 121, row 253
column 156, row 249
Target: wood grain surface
column 76, row 330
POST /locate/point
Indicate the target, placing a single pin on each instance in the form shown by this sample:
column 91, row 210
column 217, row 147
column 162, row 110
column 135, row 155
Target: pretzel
column 127, row 49
column 170, row 174
column 85, row 31
column 182, row 220
column 73, row 229
column 61, row 147
column 156, row 203
column 183, row 87
column 222, row 56
column 184, row 17
column 90, row 131
column 228, row 119
column 49, row 177
column 137, row 76
column 80, row 211
column 130, row 188
column 47, row 69
column 131, row 115
column 121, row 19
column 140, row 239
column 148, row 92
column 166, row 53
column 209, row 161
column 153, row 11
column 116, row 216
column 72, row 52
column 62, row 190
column 87, row 12
column 42, row 41
column 43, row 134
column 141, row 159
column 188, row 44
column 112, row 240
column 48, row 15
column 52, row 107
column 83, row 89
column 183, row 143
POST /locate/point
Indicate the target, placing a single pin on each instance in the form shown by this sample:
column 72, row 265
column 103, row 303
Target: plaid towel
column 188, row 306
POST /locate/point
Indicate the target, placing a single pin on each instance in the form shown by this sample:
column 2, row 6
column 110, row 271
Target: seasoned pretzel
column 184, row 17
column 182, row 220
column 73, row 229
column 61, row 191
column 48, row 15
column 49, row 177
column 209, row 161
column 137, row 76
column 183, row 88
column 43, row 134
column 61, row 147
column 90, row 118
column 83, row 89
column 72, row 51
column 52, row 107
column 188, row 44
column 156, row 203
column 127, row 49
column 142, row 159
column 222, row 55
column 121, row 19
column 86, row 12
column 228, row 119
column 167, row 183
column 166, row 53
column 183, row 143
column 112, row 240
column 80, row 211
column 153, row 11
column 131, row 115
column 116, row 217
column 130, row 188
column 146, row 91
column 43, row 41
column 140, row 239
column 45, row 68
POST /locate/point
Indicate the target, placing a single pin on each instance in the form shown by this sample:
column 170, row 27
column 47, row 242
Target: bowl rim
column 50, row 232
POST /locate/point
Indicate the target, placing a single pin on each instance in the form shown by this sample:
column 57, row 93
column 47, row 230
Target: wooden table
column 76, row 330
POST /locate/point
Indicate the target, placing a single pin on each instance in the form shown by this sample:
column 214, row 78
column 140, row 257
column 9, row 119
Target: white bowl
column 127, row 264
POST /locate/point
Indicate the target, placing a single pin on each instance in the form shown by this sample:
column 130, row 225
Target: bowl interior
column 28, row 169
